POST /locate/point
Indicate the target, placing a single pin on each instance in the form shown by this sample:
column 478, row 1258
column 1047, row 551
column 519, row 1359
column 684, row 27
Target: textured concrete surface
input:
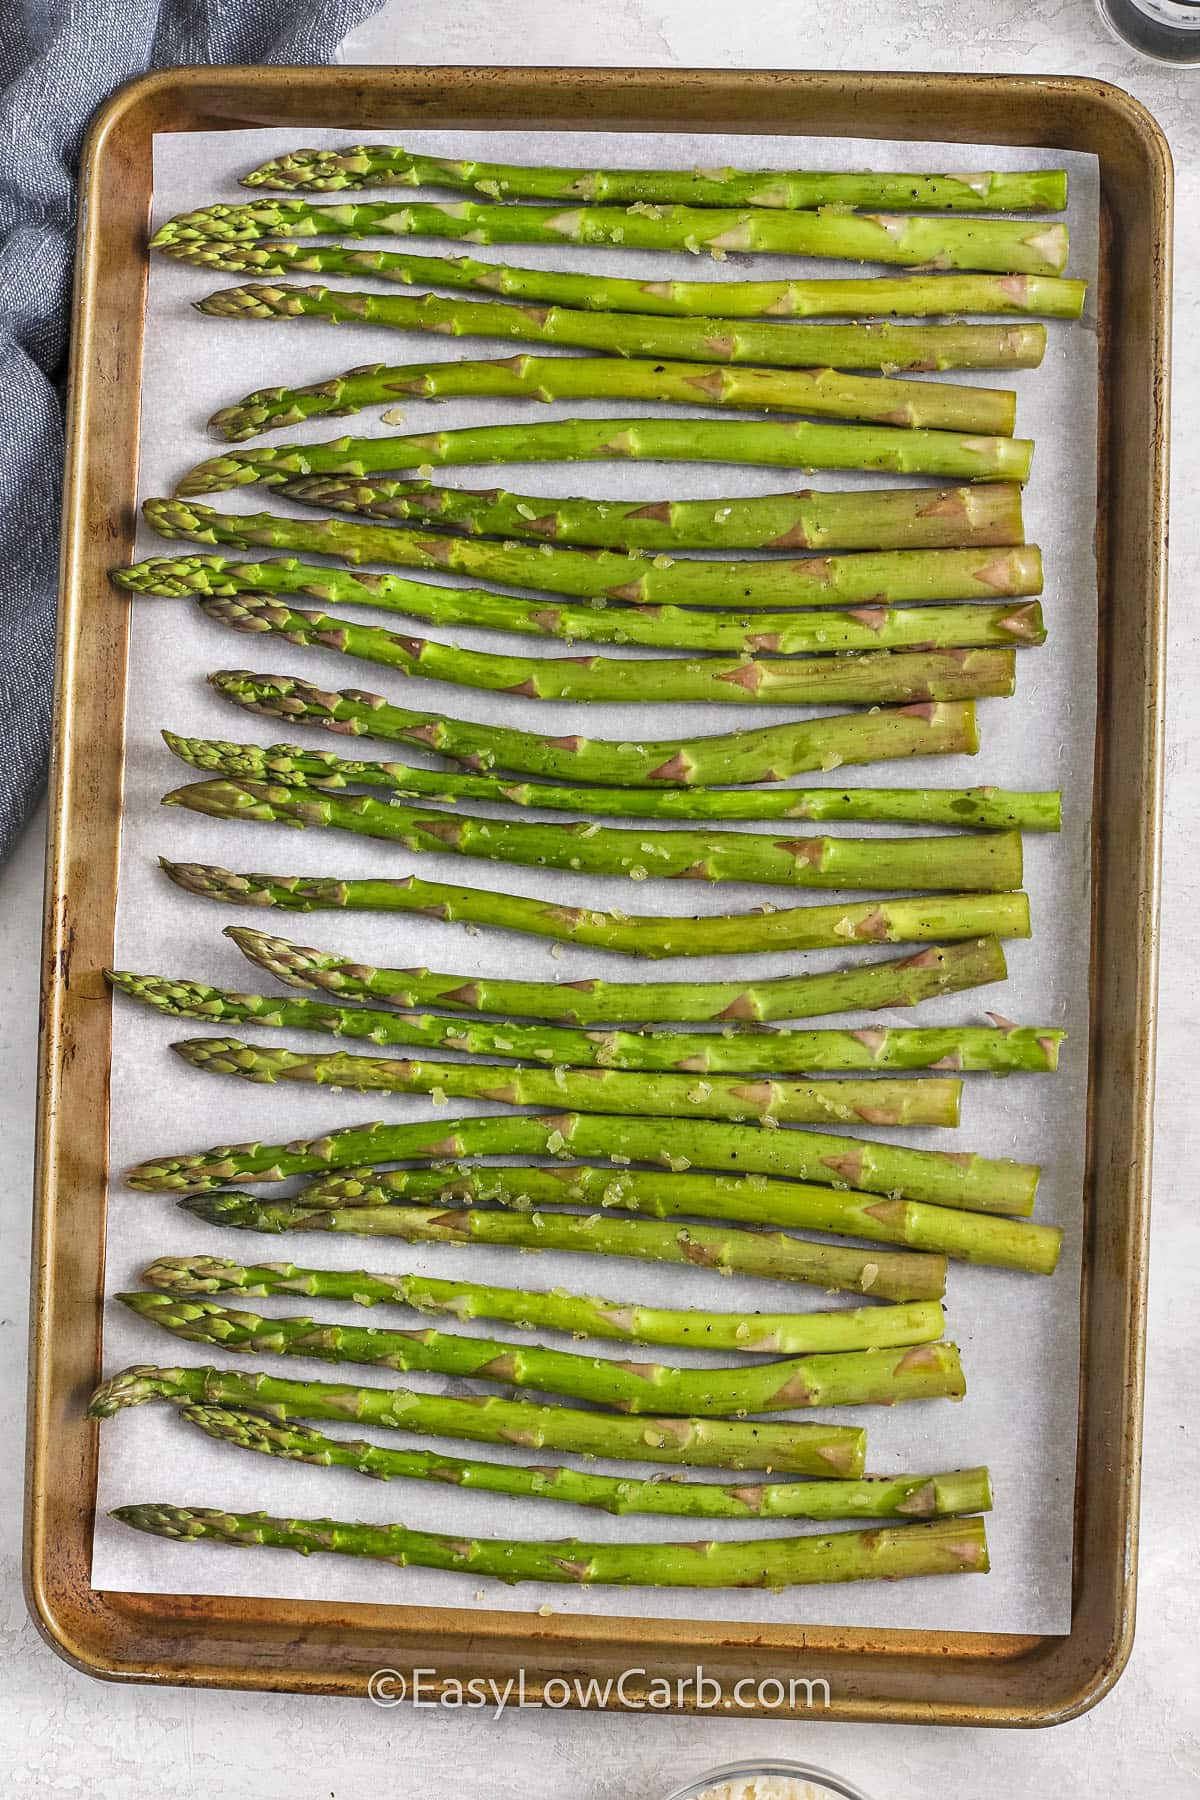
column 63, row 1734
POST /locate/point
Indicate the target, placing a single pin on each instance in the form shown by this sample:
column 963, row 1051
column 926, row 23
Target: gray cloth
column 59, row 59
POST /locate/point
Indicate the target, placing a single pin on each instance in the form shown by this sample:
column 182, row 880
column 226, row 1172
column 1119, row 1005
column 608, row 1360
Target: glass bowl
column 824, row 1785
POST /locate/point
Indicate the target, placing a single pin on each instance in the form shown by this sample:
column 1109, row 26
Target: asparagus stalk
column 772, row 443
column 876, row 1101
column 821, row 391
column 964, row 1180
column 768, row 1256
column 993, row 809
column 901, row 296
column 988, row 863
column 770, row 753
column 851, row 1378
column 998, row 1049
column 939, row 969
column 942, row 918
column 945, row 918
column 390, row 165
column 711, row 342
column 885, row 675
column 867, row 519
column 865, row 578
column 995, row 246
column 701, row 347
column 354, row 1197
column 885, row 1553
column 878, row 1497
column 576, row 1315
column 785, row 1446
column 672, row 627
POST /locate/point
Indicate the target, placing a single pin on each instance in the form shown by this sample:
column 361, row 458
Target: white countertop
column 61, row 1733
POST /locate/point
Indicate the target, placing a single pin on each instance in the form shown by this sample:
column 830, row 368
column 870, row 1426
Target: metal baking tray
column 304, row 1646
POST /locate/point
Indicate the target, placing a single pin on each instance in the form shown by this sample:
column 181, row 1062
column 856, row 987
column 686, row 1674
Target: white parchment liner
column 1018, row 1334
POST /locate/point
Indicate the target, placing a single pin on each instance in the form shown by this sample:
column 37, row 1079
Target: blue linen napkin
column 58, row 60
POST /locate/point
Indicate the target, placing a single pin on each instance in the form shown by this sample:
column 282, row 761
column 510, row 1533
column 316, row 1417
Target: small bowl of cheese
column 774, row 1780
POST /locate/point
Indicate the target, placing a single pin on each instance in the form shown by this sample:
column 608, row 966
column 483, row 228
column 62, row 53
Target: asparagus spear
column 878, row 1497
column 869, row 678
column 866, row 519
column 850, row 1378
column 354, row 1197
column 997, row 246
column 876, row 1101
column 902, row 296
column 999, row 1049
column 688, row 341
column 945, row 917
column 771, row 753
column 885, row 1553
column 772, row 443
column 866, row 578
column 984, row 808
column 987, row 863
column 993, row 809
column 768, row 1256
column 699, row 376
column 390, row 165
column 791, row 1448
column 939, row 969
column 821, row 630
column 821, row 391
column 964, row 1180
column 577, row 1315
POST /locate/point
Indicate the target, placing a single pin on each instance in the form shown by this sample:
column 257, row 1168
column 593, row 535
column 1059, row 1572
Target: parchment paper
column 1018, row 1334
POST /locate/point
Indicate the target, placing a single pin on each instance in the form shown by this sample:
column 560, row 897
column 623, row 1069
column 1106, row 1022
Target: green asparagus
column 770, row 753
column 390, row 165
column 805, row 444
column 988, row 863
column 878, row 1497
column 865, row 578
column 787, row 1447
column 862, row 519
column 963, row 1180
column 722, row 1249
column 893, row 676
column 886, row 1553
column 850, row 1378
column 899, row 296
column 823, row 630
column 939, row 917
column 576, row 1315
column 939, row 969
column 876, row 1101
column 992, row 809
column 1001, row 1049
column 355, row 1195
column 820, row 392
column 994, row 246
